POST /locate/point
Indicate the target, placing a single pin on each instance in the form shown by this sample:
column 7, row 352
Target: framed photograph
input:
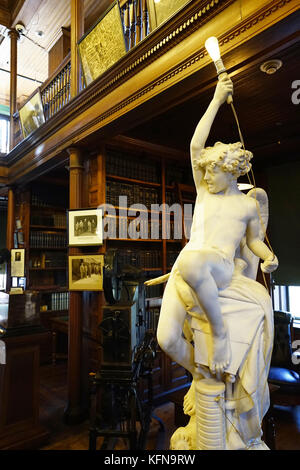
column 86, row 272
column 85, row 227
column 161, row 11
column 17, row 262
column 32, row 114
column 103, row 45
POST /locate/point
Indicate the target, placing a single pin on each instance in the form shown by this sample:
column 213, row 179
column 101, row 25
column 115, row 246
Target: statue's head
column 230, row 158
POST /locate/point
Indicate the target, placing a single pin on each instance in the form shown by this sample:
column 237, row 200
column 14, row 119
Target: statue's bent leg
column 170, row 327
column 205, row 271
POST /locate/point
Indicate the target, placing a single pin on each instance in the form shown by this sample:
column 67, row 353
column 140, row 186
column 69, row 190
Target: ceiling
column 46, row 16
column 268, row 118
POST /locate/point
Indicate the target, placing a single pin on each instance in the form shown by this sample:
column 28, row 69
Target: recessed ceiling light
column 39, row 33
column 271, row 66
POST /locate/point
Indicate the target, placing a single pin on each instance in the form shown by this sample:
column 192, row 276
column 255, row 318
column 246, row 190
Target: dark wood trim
column 275, row 37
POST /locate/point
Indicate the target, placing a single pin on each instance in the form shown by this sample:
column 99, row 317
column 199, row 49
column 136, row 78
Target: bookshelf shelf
column 153, row 269
column 55, row 311
column 132, row 180
column 48, row 269
column 146, row 240
column 117, row 208
column 47, row 208
column 47, row 248
column 49, row 289
column 48, row 228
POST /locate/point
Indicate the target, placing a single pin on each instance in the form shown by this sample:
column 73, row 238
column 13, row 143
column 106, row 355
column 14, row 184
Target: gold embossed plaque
column 161, row 11
column 103, row 45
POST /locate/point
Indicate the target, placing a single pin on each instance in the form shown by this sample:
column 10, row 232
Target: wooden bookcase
column 41, row 214
column 143, row 177
column 147, row 180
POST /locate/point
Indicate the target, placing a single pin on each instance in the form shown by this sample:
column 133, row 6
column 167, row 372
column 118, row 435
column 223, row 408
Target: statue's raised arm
column 223, row 89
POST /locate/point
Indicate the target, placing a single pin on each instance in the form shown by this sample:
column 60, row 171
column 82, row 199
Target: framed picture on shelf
column 85, row 227
column 17, row 262
column 161, row 11
column 32, row 114
column 86, row 272
column 103, row 45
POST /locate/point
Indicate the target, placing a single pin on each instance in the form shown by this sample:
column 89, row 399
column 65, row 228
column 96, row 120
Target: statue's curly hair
column 231, row 158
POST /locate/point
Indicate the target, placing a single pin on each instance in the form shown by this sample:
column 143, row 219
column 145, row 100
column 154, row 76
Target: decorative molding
column 201, row 54
column 158, row 43
column 57, row 35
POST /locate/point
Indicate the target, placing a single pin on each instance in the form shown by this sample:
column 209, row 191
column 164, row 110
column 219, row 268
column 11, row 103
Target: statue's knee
column 165, row 340
column 192, row 270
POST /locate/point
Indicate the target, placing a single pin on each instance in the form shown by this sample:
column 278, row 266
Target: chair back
column 282, row 349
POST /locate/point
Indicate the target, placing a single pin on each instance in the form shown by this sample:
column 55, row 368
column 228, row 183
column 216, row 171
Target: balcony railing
column 55, row 92
column 134, row 14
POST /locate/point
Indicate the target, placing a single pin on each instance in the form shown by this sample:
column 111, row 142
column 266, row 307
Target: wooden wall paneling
column 19, row 397
column 59, row 51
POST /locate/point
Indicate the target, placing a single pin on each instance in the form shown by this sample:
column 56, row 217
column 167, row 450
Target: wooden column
column 14, row 35
column 75, row 412
column 10, row 226
column 77, row 31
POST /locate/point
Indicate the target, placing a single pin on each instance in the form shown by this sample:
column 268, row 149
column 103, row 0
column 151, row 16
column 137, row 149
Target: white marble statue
column 216, row 320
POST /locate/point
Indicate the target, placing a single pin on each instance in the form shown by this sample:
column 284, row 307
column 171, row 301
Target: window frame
column 4, row 117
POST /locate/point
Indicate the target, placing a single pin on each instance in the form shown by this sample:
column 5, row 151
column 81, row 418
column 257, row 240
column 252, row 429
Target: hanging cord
column 253, row 183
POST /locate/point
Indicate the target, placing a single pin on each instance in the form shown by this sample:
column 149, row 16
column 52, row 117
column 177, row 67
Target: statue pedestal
column 19, row 389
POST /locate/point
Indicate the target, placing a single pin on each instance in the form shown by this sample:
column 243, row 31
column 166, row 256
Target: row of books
column 38, row 200
column 59, row 301
column 121, row 164
column 135, row 193
column 177, row 174
column 171, row 198
column 52, row 261
column 51, row 220
column 48, row 279
column 124, row 227
column 140, row 258
column 152, row 317
column 171, row 257
column 154, row 291
column 47, row 240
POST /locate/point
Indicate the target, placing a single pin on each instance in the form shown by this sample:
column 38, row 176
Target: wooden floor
column 53, row 399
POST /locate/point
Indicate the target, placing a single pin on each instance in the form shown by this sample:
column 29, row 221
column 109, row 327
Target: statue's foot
column 221, row 354
column 184, row 438
column 189, row 401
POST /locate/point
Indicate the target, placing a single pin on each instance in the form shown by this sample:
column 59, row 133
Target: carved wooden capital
column 13, row 34
column 75, row 161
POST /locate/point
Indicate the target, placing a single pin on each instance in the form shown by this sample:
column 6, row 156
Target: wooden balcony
column 161, row 68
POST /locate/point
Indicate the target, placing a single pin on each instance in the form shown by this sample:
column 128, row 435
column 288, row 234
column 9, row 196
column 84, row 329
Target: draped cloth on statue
column 247, row 311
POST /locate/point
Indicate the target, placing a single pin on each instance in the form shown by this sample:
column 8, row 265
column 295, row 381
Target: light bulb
column 212, row 47
column 245, row 186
